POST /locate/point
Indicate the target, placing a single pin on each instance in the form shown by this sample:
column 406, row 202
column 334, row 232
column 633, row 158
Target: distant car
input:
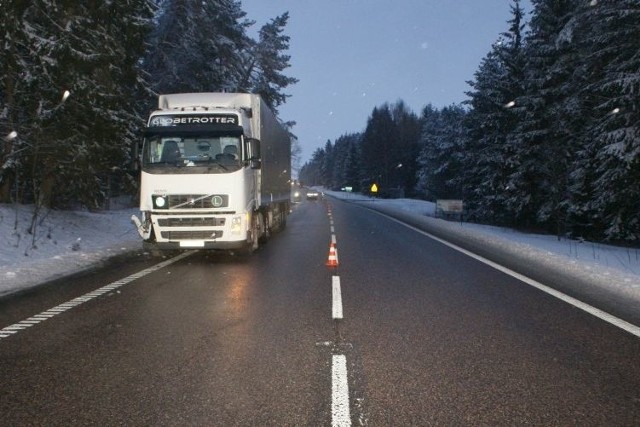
column 297, row 197
column 312, row 195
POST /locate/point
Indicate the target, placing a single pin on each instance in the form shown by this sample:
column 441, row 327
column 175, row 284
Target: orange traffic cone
column 332, row 261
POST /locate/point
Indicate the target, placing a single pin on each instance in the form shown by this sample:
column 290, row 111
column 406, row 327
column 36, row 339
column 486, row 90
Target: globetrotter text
column 167, row 120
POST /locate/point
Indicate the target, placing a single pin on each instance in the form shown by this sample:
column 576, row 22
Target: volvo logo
column 217, row 201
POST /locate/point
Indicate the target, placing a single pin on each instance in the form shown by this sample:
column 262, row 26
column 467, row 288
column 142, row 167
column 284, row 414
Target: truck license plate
column 192, row 244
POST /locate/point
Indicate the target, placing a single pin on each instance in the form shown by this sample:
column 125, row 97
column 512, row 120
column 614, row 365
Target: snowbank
column 63, row 243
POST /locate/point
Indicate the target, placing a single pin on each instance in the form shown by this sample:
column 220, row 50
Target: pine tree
column 345, row 161
column 607, row 169
column 378, row 149
column 352, row 165
column 16, row 71
column 430, row 120
column 311, row 173
column 222, row 44
column 93, row 53
column 487, row 155
column 544, row 139
column 441, row 157
column 198, row 46
column 266, row 63
column 407, row 149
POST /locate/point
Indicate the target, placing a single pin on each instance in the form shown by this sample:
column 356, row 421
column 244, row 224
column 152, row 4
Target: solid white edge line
column 609, row 318
column 340, row 413
column 337, row 298
column 52, row 312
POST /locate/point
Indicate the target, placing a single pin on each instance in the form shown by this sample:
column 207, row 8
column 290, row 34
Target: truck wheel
column 283, row 221
column 267, row 229
column 252, row 245
column 255, row 229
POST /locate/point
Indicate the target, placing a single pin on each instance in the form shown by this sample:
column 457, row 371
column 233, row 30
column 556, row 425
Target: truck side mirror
column 253, row 152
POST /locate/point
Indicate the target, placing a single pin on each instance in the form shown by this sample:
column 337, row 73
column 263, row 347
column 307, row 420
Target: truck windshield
column 216, row 153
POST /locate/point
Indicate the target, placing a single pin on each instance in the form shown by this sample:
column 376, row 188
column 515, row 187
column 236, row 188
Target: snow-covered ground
column 621, row 265
column 612, row 268
column 64, row 243
column 67, row 242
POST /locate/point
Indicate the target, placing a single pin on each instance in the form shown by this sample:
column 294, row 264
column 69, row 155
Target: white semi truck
column 215, row 173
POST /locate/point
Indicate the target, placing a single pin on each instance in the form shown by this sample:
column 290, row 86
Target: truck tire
column 255, row 230
column 253, row 244
column 266, row 227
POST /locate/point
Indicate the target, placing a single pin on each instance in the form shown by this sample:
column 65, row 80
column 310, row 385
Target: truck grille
column 191, row 235
column 191, row 222
column 197, row 201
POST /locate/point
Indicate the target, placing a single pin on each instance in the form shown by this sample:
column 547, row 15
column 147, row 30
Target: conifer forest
column 548, row 138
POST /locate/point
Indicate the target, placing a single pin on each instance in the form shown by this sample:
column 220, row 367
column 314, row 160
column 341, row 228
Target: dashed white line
column 337, row 298
column 340, row 413
column 48, row 314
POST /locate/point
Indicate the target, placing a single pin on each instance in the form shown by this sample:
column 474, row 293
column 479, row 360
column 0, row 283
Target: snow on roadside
column 64, row 242
column 577, row 254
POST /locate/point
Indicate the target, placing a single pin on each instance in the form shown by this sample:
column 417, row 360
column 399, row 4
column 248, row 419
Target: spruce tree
column 66, row 149
column 544, row 139
column 407, row 149
column 491, row 120
column 378, row 149
column 607, row 168
column 430, row 119
column 266, row 62
column 198, row 46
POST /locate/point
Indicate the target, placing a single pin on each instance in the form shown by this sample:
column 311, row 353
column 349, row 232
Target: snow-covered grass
column 66, row 242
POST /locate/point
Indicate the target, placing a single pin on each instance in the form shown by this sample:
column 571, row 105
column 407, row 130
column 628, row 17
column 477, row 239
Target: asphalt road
column 415, row 333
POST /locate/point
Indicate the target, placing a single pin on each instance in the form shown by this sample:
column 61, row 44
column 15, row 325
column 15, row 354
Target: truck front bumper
column 172, row 246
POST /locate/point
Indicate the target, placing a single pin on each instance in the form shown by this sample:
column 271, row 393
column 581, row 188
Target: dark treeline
column 113, row 58
column 548, row 139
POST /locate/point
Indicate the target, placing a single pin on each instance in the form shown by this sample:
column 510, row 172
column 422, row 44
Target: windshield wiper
column 217, row 163
column 174, row 163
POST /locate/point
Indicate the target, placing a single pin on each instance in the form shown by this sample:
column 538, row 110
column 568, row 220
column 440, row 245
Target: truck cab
column 202, row 175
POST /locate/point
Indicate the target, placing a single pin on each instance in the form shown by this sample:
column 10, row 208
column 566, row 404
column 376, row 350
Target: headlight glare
column 236, row 225
column 159, row 202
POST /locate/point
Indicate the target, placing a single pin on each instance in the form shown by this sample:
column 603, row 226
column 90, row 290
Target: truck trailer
column 215, row 173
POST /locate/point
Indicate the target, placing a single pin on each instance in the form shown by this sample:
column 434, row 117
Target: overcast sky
column 353, row 55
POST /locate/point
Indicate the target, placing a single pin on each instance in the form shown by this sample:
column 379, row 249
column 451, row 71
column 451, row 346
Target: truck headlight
column 159, row 202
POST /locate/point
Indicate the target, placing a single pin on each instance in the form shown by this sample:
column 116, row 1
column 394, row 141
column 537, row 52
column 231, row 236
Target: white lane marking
column 333, row 239
column 48, row 314
column 337, row 298
column 603, row 315
column 340, row 413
